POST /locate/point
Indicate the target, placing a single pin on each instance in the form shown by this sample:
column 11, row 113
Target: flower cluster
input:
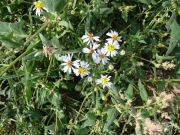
column 151, row 127
column 99, row 55
column 110, row 49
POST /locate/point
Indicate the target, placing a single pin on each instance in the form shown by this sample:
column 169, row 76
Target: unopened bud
column 111, row 67
column 122, row 53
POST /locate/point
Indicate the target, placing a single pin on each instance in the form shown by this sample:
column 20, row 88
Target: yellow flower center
column 110, row 47
column 90, row 35
column 38, row 4
column 82, row 70
column 69, row 63
column 115, row 37
column 104, row 80
column 102, row 56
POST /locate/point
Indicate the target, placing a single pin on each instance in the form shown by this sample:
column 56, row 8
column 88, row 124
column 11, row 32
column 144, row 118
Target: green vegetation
column 61, row 75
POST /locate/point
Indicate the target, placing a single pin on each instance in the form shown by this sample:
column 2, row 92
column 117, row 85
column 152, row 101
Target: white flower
column 92, row 51
column 122, row 52
column 101, row 56
column 68, row 63
column 114, row 37
column 82, row 68
column 39, row 7
column 90, row 38
column 104, row 81
column 111, row 48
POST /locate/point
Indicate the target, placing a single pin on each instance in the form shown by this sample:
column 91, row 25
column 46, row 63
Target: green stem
column 80, row 109
column 166, row 80
column 49, row 67
column 28, row 50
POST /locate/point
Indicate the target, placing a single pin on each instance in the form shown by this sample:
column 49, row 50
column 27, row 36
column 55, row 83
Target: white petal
column 86, row 40
column 86, row 50
column 65, row 68
column 109, row 40
column 84, row 37
column 109, row 34
column 69, row 70
column 95, row 46
column 116, row 45
column 76, row 72
column 96, row 38
column 76, row 63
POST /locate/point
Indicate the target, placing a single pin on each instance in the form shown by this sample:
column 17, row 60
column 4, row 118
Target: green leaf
column 82, row 131
column 8, row 42
column 111, row 116
column 15, row 28
column 147, row 2
column 44, row 40
column 11, row 34
column 114, row 92
column 142, row 91
column 54, row 5
column 90, row 121
column 66, row 24
column 175, row 34
column 55, row 43
column 129, row 92
column 55, row 99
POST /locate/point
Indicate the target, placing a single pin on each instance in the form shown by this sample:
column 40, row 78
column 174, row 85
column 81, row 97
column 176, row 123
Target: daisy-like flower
column 92, row 50
column 90, row 38
column 68, row 63
column 82, row 68
column 39, row 7
column 111, row 48
column 104, row 81
column 114, row 37
column 101, row 56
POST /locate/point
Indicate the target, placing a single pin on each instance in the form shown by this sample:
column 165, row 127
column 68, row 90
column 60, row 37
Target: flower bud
column 111, row 67
column 72, row 12
column 122, row 53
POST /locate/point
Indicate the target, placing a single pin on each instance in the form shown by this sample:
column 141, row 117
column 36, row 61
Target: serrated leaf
column 54, row 5
column 142, row 91
column 129, row 91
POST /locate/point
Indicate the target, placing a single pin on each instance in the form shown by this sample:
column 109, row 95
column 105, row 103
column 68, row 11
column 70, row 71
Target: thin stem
column 124, row 127
column 28, row 50
column 49, row 67
column 80, row 109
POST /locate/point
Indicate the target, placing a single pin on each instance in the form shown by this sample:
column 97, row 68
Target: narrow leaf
column 142, row 91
